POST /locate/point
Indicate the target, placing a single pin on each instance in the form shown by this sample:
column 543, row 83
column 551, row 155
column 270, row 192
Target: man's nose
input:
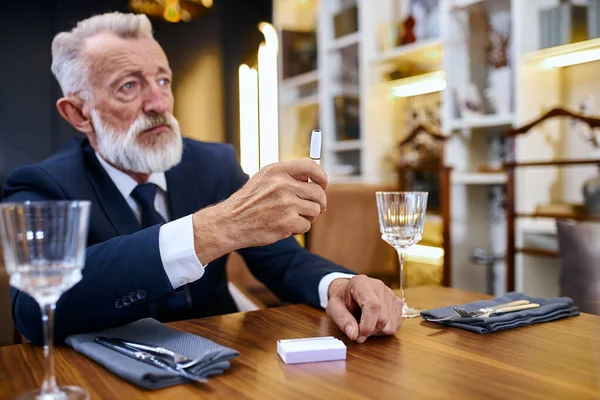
column 156, row 99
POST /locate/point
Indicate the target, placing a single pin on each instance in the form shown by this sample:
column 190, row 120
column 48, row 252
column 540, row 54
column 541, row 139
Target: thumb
column 342, row 317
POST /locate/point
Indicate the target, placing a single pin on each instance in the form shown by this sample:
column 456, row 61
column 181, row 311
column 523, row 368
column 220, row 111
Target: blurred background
column 409, row 94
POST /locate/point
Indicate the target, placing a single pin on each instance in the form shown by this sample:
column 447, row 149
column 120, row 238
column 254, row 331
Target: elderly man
column 139, row 174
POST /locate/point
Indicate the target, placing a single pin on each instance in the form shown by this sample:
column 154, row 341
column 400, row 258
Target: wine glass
column 44, row 249
column 401, row 219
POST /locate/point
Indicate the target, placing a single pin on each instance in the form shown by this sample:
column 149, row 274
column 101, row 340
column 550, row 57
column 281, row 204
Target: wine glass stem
column 401, row 274
column 49, row 386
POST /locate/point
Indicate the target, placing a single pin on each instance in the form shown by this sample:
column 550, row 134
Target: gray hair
column 67, row 62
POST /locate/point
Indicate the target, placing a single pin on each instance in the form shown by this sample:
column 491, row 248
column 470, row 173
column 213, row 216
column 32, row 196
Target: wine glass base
column 64, row 393
column 409, row 312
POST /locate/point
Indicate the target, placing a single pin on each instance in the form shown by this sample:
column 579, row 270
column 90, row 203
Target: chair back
column 579, row 245
column 348, row 233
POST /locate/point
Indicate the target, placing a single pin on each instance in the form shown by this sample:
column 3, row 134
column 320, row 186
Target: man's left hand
column 363, row 307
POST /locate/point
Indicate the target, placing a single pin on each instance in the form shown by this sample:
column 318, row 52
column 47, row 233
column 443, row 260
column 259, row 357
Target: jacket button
column 132, row 297
column 141, row 294
column 125, row 301
column 118, row 304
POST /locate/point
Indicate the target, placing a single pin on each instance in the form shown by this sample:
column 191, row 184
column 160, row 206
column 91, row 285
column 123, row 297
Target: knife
column 146, row 357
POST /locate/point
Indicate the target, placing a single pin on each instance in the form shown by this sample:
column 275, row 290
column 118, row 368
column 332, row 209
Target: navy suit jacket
column 124, row 279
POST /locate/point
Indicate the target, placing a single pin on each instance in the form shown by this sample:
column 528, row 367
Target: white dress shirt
column 176, row 238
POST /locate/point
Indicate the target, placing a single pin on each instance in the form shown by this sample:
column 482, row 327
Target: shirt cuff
column 324, row 285
column 179, row 259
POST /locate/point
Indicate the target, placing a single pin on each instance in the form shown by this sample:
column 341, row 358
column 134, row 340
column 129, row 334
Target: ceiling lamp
column 171, row 10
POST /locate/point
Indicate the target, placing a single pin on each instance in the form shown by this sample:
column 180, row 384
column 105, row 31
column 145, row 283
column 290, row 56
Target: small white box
column 326, row 348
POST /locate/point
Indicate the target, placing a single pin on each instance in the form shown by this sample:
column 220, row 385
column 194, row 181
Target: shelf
column 478, row 178
column 532, row 251
column 301, row 80
column 565, row 55
column 344, row 41
column 483, row 122
column 346, row 90
column 303, row 102
column 346, row 145
column 573, row 216
column 421, row 52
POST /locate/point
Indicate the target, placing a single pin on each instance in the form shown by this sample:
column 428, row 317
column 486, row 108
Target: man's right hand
column 277, row 202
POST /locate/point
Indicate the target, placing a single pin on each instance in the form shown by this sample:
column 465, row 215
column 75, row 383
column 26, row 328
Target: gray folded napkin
column 549, row 310
column 152, row 332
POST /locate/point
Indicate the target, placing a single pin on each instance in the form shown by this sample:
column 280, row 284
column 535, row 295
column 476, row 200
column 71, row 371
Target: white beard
column 124, row 152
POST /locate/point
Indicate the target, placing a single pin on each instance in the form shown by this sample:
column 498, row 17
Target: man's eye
column 128, row 85
column 164, row 82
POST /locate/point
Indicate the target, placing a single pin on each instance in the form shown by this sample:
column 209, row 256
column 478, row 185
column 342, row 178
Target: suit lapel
column 110, row 199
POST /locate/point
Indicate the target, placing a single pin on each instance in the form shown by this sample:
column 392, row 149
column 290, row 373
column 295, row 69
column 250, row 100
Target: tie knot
column 144, row 194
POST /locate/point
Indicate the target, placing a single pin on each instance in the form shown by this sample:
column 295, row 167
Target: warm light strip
column 579, row 57
column 418, row 85
column 268, row 118
column 249, row 153
column 425, row 254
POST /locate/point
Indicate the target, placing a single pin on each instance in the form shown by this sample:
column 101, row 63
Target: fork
column 481, row 310
column 486, row 312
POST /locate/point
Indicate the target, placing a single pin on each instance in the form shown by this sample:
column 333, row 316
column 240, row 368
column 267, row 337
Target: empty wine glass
column 44, row 249
column 401, row 219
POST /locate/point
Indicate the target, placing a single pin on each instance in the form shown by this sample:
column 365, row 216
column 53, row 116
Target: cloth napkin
column 549, row 310
column 150, row 331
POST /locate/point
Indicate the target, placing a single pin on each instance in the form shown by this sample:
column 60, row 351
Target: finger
column 308, row 209
column 343, row 318
column 394, row 305
column 301, row 225
column 311, row 191
column 370, row 306
column 303, row 169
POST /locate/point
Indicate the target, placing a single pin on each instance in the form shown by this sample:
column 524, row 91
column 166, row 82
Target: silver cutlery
column 148, row 357
column 178, row 360
column 486, row 312
column 480, row 311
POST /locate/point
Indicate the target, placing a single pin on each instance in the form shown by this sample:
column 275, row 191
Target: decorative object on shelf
column 298, row 52
column 469, row 101
column 563, row 24
column 424, row 109
column 497, row 151
column 426, row 15
column 347, row 118
column 499, row 84
column 345, row 22
column 171, row 10
column 408, row 34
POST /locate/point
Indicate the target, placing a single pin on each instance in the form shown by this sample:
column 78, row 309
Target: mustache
column 151, row 121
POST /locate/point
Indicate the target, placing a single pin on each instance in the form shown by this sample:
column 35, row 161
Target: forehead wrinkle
column 107, row 60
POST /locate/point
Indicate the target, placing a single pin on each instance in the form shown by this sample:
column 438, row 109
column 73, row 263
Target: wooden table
column 556, row 360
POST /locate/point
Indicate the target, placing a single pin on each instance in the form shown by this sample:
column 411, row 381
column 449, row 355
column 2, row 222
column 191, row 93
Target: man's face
column 131, row 103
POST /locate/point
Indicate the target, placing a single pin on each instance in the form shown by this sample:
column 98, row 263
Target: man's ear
column 71, row 109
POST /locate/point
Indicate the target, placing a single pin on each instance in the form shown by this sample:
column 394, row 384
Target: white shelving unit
column 351, row 39
column 383, row 120
column 300, row 80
